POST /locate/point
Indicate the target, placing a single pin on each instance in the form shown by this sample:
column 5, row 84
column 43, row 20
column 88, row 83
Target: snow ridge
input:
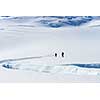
column 28, row 65
column 53, row 21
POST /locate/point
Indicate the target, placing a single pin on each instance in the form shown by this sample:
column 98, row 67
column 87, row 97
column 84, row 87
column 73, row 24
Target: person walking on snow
column 55, row 54
column 62, row 54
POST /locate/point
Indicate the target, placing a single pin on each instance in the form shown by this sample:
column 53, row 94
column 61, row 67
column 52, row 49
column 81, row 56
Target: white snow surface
column 28, row 39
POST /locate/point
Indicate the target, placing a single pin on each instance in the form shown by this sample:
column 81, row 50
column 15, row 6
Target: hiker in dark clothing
column 55, row 54
column 62, row 54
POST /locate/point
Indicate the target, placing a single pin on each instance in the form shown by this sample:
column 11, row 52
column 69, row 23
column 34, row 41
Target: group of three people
column 62, row 54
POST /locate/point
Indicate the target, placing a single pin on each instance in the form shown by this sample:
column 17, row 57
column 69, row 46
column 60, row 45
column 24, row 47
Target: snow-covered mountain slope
column 52, row 21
